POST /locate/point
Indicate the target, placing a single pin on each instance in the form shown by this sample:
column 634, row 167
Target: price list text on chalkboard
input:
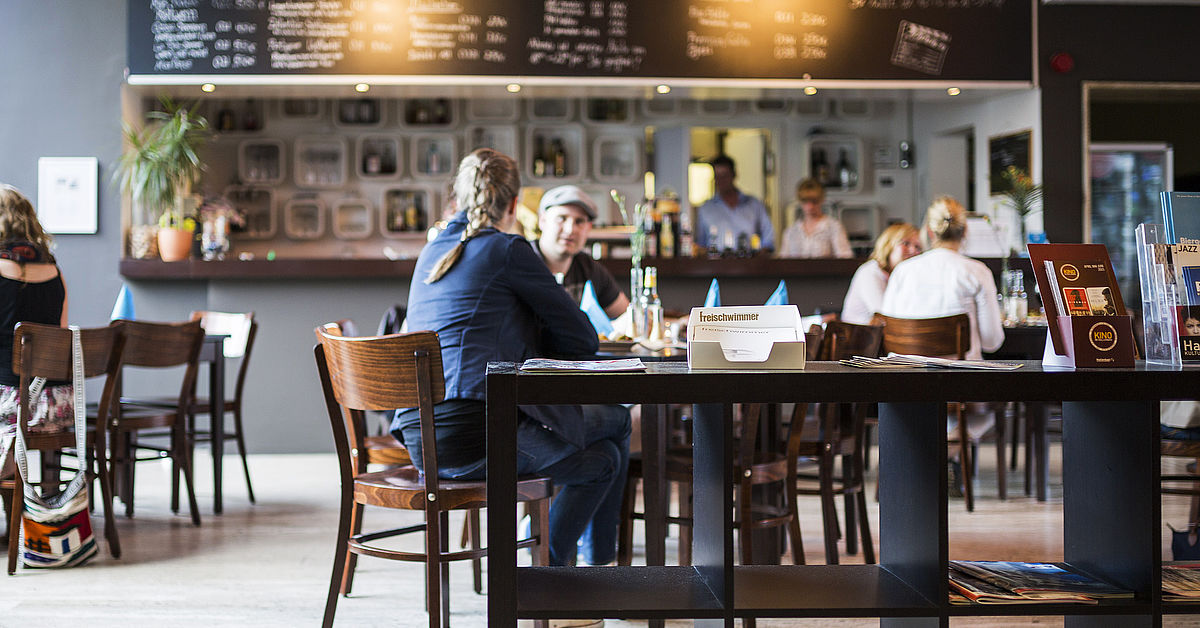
column 759, row 39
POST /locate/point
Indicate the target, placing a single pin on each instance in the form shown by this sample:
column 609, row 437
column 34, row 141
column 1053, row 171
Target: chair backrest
column 161, row 345
column 241, row 329
column 341, row 327
column 844, row 340
column 945, row 335
column 380, row 373
column 45, row 351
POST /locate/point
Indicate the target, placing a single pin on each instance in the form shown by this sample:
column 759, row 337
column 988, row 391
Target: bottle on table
column 651, row 305
column 636, row 312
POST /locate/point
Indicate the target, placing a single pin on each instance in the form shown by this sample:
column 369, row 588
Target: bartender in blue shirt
column 730, row 211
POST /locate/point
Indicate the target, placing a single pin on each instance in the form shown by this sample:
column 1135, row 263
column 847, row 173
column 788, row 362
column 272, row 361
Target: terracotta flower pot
column 174, row 244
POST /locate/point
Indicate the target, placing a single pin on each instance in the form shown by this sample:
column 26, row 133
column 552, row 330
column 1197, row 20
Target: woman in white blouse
column 942, row 281
column 815, row 234
column 896, row 244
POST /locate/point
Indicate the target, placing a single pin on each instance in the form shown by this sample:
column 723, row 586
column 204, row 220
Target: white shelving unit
column 831, row 149
column 433, row 155
column 304, row 218
column 352, row 219
column 500, row 137
column 379, row 157
column 428, row 113
column 320, row 162
column 261, row 161
column 617, row 158
column 359, row 113
column 551, row 109
column 553, row 138
column 257, row 204
column 403, row 205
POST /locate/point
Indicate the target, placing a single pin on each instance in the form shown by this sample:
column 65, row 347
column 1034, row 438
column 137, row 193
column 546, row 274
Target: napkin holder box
column 1092, row 342
column 708, row 355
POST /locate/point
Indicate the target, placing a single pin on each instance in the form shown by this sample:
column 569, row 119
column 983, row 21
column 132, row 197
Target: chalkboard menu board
column 951, row 40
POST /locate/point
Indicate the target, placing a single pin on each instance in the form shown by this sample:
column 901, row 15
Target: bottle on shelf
column 727, row 245
column 846, row 175
column 250, row 120
column 441, row 111
column 433, row 159
column 225, row 120
column 714, row 241
column 649, row 228
column 666, row 239
column 560, row 157
column 820, row 167
column 687, row 242
column 539, row 156
column 755, row 244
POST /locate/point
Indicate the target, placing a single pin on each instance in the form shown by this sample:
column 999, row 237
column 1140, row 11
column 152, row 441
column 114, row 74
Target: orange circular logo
column 1069, row 272
column 1103, row 336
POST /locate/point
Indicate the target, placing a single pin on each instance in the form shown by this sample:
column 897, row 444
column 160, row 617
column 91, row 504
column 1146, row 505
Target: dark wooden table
column 1111, row 523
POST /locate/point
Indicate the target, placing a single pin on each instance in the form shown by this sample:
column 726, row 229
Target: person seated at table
column 731, row 215
column 31, row 289
column 897, row 243
column 942, row 281
column 814, row 234
column 490, row 297
column 565, row 216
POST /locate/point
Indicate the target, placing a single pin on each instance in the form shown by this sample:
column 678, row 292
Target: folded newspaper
column 901, row 361
column 587, row 366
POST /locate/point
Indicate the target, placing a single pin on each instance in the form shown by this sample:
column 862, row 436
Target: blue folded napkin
column 591, row 306
column 714, row 295
column 779, row 297
column 123, row 308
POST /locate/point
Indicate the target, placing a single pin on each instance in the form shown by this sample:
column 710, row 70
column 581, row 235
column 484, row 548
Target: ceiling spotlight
column 663, row 89
column 513, row 87
column 810, row 91
column 362, row 87
column 953, row 91
column 208, row 88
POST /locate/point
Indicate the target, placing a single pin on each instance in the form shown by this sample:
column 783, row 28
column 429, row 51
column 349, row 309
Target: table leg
column 502, row 499
column 912, row 502
column 654, row 484
column 712, row 514
column 1036, row 415
column 216, row 391
column 1110, row 477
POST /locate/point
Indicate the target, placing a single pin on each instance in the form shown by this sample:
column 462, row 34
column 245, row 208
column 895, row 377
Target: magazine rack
column 1088, row 341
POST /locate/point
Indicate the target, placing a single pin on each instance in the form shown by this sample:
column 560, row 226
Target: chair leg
column 102, row 473
column 848, row 498
column 356, row 515
column 625, row 526
column 539, row 526
column 794, row 536
column 15, row 511
column 745, row 518
column 1001, row 429
column 433, row 567
column 685, row 530
column 828, row 507
column 127, row 445
column 241, row 443
column 179, row 449
column 444, row 569
column 966, row 460
column 472, row 526
column 864, row 526
column 340, row 555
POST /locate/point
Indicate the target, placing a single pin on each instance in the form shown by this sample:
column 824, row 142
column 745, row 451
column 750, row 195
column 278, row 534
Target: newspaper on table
column 586, row 366
column 897, row 360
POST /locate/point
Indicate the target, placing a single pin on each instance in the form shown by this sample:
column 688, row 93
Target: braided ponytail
column 486, row 183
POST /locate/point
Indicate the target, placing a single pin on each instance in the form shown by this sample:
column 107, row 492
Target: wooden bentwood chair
column 45, row 351
column 384, row 373
column 157, row 346
column 837, row 429
column 936, row 337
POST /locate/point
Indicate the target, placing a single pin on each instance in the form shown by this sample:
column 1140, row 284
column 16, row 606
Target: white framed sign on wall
column 67, row 194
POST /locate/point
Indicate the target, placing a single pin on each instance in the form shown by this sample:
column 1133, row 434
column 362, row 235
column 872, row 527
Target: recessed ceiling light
column 362, row 87
column 663, row 89
column 208, row 88
column 953, row 91
column 513, row 87
column 810, row 91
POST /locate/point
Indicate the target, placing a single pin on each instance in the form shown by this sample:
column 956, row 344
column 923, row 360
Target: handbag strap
column 35, row 391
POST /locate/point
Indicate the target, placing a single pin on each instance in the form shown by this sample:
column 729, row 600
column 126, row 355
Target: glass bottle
column 686, row 240
column 560, row 157
column 847, row 177
column 714, row 242
column 666, row 239
column 820, row 167
column 651, row 231
column 636, row 312
column 652, row 305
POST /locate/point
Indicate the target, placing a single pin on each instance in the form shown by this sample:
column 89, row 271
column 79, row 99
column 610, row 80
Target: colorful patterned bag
column 57, row 529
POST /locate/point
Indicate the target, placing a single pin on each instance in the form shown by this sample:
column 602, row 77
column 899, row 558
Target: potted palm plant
column 159, row 168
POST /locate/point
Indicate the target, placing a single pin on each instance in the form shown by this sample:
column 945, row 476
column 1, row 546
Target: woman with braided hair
column 491, row 298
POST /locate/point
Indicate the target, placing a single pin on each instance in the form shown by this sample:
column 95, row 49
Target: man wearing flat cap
column 565, row 217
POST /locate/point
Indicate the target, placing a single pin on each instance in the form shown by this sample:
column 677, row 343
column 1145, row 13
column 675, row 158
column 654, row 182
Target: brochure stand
column 766, row 337
column 1083, row 340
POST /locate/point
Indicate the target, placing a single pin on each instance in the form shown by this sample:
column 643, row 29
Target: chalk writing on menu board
column 827, row 39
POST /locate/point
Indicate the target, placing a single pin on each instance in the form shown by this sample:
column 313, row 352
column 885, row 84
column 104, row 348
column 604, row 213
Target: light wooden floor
column 268, row 564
